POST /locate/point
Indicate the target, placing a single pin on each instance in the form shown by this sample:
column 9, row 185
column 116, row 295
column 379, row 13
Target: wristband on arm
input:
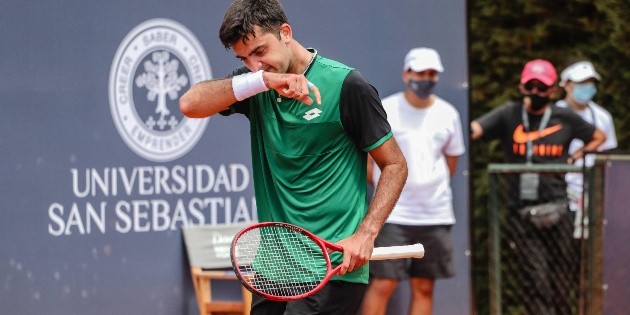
column 248, row 84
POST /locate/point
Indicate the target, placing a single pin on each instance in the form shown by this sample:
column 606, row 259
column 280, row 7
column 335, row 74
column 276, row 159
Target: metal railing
column 533, row 268
column 548, row 270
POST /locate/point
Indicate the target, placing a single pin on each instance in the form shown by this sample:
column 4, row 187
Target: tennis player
column 313, row 121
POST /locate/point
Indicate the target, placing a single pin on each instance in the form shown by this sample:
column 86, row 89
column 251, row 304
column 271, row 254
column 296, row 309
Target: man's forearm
column 390, row 184
column 207, row 98
column 599, row 137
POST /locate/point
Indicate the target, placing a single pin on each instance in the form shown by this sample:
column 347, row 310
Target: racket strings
column 279, row 261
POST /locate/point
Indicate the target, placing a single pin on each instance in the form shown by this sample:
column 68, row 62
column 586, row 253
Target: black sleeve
column 241, row 107
column 581, row 129
column 361, row 112
column 493, row 122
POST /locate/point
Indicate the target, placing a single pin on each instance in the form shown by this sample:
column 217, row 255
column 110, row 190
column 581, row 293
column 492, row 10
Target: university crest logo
column 156, row 63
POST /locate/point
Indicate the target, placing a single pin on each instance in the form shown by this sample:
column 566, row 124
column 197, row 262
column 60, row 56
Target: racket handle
column 393, row 252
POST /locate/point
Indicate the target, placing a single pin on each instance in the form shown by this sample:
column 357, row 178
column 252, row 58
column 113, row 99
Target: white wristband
column 248, row 84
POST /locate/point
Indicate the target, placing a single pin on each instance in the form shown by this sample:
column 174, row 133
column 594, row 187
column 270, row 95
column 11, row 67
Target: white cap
column 578, row 72
column 420, row 59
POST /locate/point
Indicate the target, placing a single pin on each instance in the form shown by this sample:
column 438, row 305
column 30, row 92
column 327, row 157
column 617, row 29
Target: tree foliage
column 503, row 36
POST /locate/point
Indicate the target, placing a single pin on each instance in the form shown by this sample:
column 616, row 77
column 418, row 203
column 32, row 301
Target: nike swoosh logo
column 520, row 136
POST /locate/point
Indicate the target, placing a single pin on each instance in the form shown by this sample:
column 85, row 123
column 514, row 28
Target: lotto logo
column 312, row 114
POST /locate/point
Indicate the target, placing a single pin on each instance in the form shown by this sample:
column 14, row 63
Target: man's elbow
column 476, row 131
column 403, row 169
column 187, row 107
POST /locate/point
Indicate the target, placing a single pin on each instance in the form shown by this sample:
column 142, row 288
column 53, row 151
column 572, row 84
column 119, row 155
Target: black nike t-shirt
column 551, row 144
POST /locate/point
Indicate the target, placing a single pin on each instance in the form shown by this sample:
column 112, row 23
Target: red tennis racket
column 284, row 262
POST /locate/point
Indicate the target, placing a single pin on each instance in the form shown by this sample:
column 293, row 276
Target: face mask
column 538, row 102
column 583, row 93
column 422, row 88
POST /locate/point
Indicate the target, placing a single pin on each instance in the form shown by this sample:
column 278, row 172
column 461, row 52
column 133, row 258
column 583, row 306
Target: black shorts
column 436, row 263
column 336, row 297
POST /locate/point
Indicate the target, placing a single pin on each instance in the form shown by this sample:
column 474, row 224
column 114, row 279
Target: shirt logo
column 520, row 136
column 312, row 114
column 154, row 64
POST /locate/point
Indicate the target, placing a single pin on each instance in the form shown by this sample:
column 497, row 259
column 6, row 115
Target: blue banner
column 101, row 170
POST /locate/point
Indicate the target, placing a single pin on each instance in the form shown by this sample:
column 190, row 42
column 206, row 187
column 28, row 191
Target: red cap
column 541, row 70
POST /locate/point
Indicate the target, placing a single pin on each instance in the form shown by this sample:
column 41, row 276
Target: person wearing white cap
column 579, row 82
column 429, row 132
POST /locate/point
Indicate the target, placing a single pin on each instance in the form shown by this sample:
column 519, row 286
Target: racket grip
column 393, row 252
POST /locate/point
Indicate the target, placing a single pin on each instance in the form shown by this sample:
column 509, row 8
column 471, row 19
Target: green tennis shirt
column 309, row 162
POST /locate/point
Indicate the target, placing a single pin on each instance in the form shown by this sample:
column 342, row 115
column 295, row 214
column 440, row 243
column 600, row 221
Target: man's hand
column 294, row 86
column 357, row 250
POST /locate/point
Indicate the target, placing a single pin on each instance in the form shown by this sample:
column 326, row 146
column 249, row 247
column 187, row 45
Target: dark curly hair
column 243, row 15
